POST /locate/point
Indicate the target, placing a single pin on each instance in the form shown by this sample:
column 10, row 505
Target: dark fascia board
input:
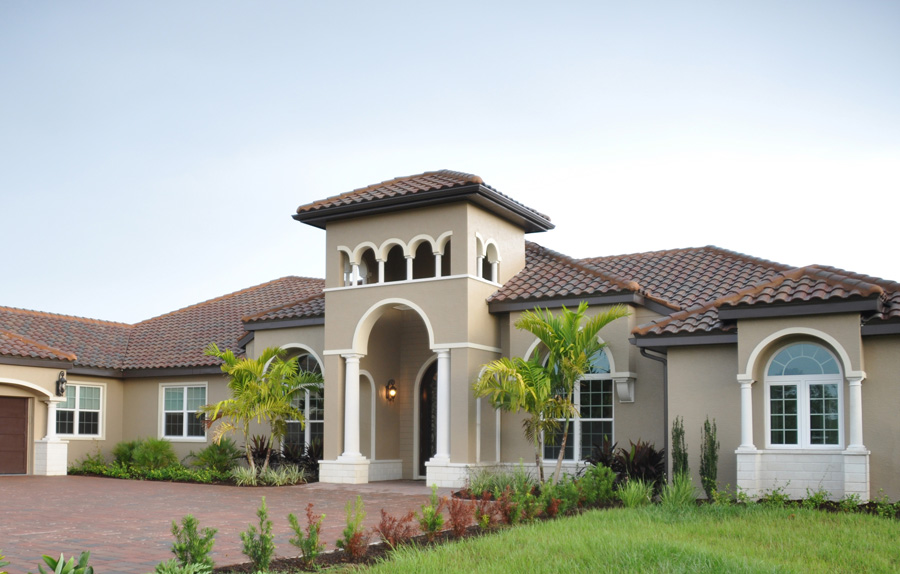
column 245, row 340
column 477, row 193
column 627, row 298
column 686, row 340
column 34, row 362
column 96, row 372
column 171, row 372
column 880, row 329
column 769, row 310
column 281, row 324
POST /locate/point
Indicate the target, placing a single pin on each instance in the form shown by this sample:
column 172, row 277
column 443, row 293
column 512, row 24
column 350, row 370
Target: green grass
column 706, row 539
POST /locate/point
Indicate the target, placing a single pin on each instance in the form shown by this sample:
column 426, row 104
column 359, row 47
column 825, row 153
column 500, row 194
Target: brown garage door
column 13, row 435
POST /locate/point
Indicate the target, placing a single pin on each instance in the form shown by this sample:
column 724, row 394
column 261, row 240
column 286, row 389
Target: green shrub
column 883, row 506
column 123, row 452
column 173, row 567
column 308, row 541
column 283, row 475
column 566, row 491
column 850, row 502
column 243, row 476
column 776, row 498
column 221, row 456
column 258, row 544
column 725, row 497
column 154, row 453
column 353, row 540
column 709, row 458
column 190, row 546
column 432, row 517
column 60, row 566
column 816, row 499
column 596, row 485
column 679, row 495
column 679, row 448
column 497, row 480
column 635, row 493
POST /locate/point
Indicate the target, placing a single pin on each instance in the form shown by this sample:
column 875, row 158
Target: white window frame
column 162, row 412
column 73, row 386
column 307, row 432
column 803, row 382
column 575, row 426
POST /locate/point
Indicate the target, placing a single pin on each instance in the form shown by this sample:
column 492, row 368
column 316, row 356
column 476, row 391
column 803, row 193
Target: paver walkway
column 126, row 524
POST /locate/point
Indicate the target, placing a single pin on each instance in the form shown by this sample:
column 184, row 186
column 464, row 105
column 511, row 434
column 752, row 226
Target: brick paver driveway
column 126, row 523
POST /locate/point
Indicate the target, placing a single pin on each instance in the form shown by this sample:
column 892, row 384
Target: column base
column 51, row 457
column 444, row 474
column 344, row 470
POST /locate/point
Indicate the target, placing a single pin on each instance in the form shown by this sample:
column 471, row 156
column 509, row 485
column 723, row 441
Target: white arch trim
column 442, row 240
column 371, row 316
column 612, row 361
column 495, row 252
column 421, row 238
column 360, row 249
column 27, row 385
column 416, row 390
column 306, row 348
column 386, row 246
column 368, row 375
column 479, row 245
column 805, row 331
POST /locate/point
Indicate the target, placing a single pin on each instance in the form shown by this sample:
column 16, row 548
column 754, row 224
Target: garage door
column 13, row 435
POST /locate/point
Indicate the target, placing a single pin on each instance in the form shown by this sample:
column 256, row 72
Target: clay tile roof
column 698, row 319
column 17, row 346
column 411, row 185
column 802, row 285
column 89, row 342
column 310, row 307
column 551, row 275
column 689, row 277
column 177, row 339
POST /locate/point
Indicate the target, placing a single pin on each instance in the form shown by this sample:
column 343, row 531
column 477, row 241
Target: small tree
column 262, row 389
column 709, row 458
column 679, row 449
column 191, row 546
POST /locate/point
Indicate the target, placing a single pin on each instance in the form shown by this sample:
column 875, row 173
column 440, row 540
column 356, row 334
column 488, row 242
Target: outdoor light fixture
column 61, row 384
column 390, row 391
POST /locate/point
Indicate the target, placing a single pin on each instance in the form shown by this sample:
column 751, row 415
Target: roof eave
column 626, row 298
column 477, row 193
column 688, row 339
column 764, row 310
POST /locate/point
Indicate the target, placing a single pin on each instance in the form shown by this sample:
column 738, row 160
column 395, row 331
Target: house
column 425, row 277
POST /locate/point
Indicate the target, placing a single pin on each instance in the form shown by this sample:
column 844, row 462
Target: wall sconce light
column 61, row 384
column 390, row 391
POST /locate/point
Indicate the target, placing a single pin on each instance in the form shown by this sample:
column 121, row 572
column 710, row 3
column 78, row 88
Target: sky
column 152, row 153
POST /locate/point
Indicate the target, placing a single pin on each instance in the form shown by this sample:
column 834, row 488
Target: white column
column 351, row 407
column 381, row 271
column 495, row 271
column 51, row 418
column 409, row 267
column 479, row 265
column 437, row 264
column 497, row 428
column 443, row 406
column 354, row 274
column 856, row 429
column 746, row 414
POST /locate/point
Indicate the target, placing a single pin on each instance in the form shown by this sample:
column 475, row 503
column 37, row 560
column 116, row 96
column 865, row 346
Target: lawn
column 704, row 539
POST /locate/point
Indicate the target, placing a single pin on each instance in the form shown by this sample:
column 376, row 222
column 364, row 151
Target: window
column 180, row 404
column 803, row 398
column 313, row 405
column 594, row 401
column 80, row 414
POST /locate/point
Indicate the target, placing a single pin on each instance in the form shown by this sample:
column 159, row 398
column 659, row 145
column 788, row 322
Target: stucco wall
column 881, row 405
column 703, row 383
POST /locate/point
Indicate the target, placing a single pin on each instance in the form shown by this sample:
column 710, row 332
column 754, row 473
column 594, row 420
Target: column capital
column 352, row 357
column 441, row 352
column 745, row 380
column 855, row 377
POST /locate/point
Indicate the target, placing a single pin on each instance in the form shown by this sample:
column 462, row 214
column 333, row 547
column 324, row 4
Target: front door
column 13, row 435
column 427, row 417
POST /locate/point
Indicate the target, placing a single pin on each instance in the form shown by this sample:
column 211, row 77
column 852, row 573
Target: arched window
column 368, row 268
column 594, row 424
column 395, row 265
column 804, row 398
column 313, row 405
column 423, row 263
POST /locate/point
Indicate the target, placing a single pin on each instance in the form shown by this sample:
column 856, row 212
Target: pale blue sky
column 151, row 153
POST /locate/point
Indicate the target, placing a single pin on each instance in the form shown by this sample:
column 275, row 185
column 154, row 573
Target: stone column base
column 51, row 457
column 856, row 473
column 445, row 474
column 344, row 471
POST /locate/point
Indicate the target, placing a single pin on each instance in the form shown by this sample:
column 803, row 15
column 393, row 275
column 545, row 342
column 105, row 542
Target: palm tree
column 262, row 389
column 518, row 385
column 571, row 341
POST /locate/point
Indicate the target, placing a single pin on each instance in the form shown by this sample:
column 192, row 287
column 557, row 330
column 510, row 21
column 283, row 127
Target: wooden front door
column 13, row 435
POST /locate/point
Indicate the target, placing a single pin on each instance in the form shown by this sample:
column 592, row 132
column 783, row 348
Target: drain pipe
column 662, row 357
